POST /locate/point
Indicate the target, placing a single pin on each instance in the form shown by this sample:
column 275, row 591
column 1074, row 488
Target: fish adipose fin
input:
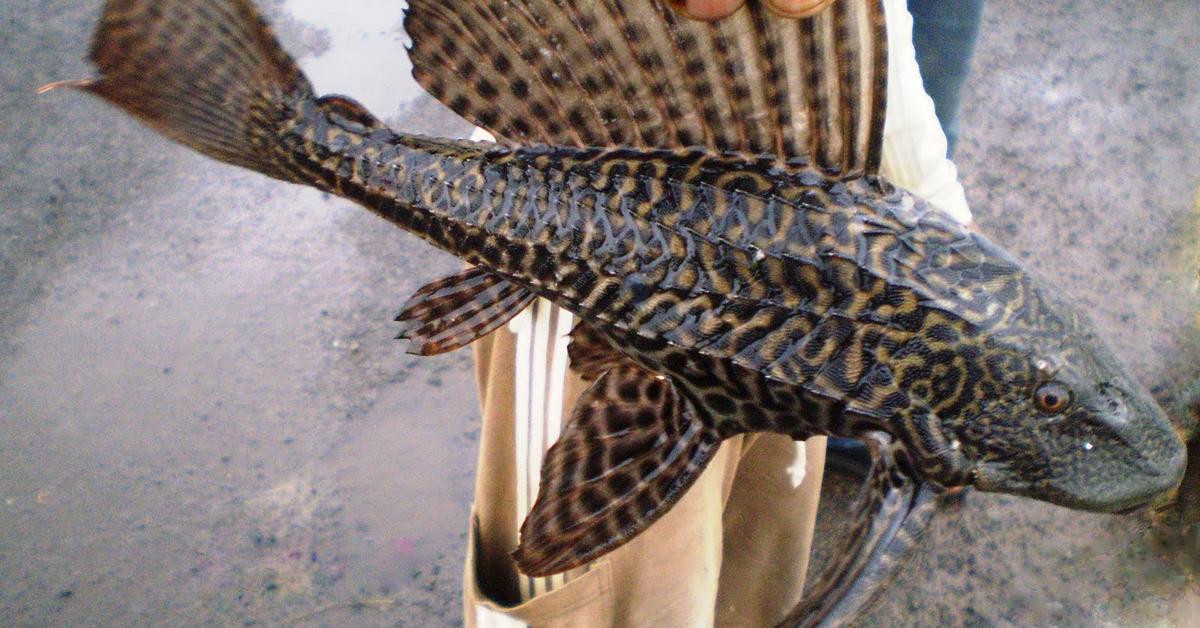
column 208, row 74
column 634, row 73
column 632, row 447
column 455, row 311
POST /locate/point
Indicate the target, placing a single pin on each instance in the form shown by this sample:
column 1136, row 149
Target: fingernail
column 712, row 9
column 798, row 8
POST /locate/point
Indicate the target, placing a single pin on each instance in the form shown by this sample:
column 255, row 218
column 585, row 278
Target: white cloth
column 914, row 146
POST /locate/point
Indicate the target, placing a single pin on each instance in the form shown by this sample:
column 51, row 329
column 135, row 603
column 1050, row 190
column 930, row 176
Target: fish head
column 1068, row 424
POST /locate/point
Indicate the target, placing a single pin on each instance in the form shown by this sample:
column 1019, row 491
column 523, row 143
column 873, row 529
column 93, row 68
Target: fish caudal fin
column 208, row 74
column 633, row 446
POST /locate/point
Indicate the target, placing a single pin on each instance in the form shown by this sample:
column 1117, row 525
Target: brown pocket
column 586, row 601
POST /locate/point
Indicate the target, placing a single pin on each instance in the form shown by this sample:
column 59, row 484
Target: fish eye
column 1052, row 398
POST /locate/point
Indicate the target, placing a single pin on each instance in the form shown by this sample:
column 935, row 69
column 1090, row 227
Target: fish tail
column 208, row 74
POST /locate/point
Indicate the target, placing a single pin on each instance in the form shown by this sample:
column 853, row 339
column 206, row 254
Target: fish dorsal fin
column 634, row 73
column 455, row 311
column 633, row 446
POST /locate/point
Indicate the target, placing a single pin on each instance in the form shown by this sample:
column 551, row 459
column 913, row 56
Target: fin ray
column 890, row 514
column 633, row 73
column 454, row 311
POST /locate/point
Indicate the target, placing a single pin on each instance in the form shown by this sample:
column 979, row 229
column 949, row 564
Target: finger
column 797, row 8
column 708, row 9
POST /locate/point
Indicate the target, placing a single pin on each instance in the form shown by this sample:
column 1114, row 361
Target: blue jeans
column 944, row 33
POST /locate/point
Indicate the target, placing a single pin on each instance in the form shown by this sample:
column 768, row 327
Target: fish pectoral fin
column 591, row 355
column 633, row 446
column 635, row 73
column 890, row 514
column 455, row 311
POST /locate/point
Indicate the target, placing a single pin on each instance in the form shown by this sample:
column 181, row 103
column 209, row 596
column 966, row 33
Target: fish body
column 721, row 291
column 780, row 299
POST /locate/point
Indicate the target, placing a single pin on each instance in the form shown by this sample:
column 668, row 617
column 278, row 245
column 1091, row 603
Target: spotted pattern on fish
column 828, row 290
column 638, row 411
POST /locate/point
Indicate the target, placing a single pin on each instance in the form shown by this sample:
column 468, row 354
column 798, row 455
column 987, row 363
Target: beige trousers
column 732, row 552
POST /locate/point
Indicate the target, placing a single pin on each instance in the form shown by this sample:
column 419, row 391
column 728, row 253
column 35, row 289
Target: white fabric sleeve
column 914, row 146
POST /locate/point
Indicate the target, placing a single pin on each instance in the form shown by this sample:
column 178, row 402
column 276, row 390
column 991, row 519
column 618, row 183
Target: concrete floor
column 204, row 419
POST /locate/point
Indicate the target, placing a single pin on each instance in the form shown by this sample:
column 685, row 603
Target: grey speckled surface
column 203, row 417
column 1081, row 154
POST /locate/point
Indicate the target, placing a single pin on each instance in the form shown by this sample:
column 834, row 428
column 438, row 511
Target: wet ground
column 204, row 419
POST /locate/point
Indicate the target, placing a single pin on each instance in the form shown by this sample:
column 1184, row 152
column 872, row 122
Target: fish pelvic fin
column 208, row 74
column 591, row 355
column 632, row 448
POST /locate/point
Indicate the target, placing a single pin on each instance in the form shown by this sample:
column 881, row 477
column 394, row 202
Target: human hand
column 716, row 9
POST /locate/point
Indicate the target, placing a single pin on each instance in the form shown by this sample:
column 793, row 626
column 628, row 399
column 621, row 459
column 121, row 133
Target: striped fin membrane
column 208, row 74
column 633, row 73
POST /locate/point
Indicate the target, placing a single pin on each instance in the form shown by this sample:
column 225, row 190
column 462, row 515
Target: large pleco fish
column 705, row 198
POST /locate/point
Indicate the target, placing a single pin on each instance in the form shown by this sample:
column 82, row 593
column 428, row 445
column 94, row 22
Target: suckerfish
column 706, row 199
